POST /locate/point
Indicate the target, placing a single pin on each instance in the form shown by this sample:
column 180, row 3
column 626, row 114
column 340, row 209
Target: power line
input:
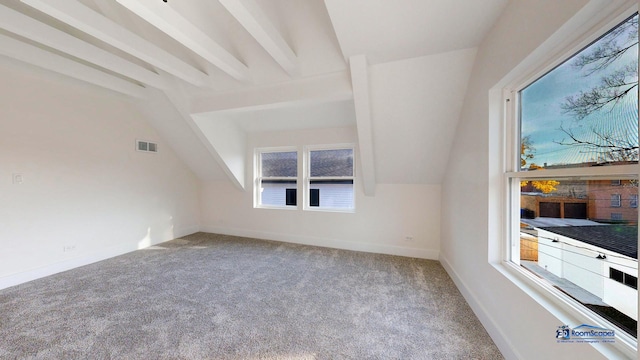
column 623, row 257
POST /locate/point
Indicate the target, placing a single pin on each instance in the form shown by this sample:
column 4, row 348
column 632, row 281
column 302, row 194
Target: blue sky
column 542, row 115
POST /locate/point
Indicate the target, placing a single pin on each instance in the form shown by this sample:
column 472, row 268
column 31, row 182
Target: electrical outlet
column 68, row 248
column 17, row 179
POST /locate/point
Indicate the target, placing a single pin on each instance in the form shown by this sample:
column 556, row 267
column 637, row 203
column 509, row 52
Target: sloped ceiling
column 207, row 72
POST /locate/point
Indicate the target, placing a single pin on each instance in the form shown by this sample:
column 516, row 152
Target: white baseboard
column 330, row 243
column 26, row 276
column 29, row 275
column 496, row 334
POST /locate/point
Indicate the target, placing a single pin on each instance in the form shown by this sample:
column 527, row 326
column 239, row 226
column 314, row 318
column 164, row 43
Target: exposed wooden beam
column 362, row 101
column 253, row 19
column 29, row 28
column 165, row 18
column 85, row 19
column 33, row 55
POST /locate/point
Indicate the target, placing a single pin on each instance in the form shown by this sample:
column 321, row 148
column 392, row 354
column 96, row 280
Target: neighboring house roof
column 280, row 164
column 540, row 222
column 333, row 162
column 622, row 239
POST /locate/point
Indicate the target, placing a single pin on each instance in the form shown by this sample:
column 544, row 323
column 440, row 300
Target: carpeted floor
column 210, row 296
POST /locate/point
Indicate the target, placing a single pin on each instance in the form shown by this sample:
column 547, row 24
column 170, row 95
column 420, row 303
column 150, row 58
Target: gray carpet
column 210, row 296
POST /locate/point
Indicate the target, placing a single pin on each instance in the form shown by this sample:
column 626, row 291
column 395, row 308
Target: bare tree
column 607, row 146
column 618, row 81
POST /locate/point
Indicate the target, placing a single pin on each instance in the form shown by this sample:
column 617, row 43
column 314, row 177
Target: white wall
column 87, row 194
column 415, row 105
column 621, row 296
column 521, row 327
column 572, row 260
column 379, row 224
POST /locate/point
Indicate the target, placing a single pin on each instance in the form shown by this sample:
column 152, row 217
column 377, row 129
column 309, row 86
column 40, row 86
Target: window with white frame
column 329, row 178
column 616, row 200
column 574, row 145
column 276, row 177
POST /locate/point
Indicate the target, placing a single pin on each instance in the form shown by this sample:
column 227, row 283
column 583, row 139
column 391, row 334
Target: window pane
column 616, row 275
column 631, row 281
column 280, row 164
column 616, row 200
column 568, row 238
column 331, row 162
column 331, row 194
column 585, row 111
column 278, row 192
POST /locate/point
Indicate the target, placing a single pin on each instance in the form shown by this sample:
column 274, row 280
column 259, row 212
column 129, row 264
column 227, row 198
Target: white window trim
column 307, row 177
column 257, row 164
column 302, row 179
column 578, row 33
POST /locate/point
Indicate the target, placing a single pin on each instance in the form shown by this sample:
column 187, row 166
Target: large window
column 572, row 179
column 328, row 178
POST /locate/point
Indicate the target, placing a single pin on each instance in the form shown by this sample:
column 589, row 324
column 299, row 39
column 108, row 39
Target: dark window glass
column 616, row 275
column 291, row 198
column 314, row 197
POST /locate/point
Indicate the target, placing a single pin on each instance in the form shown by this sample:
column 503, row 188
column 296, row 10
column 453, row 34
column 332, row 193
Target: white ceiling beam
column 325, row 88
column 165, row 18
column 253, row 19
column 85, row 19
column 29, row 28
column 228, row 144
column 215, row 140
column 35, row 56
column 364, row 124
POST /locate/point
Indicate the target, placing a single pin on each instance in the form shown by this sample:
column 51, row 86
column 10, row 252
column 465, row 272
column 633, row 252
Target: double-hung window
column 328, row 185
column 277, row 177
column 572, row 168
column 329, row 178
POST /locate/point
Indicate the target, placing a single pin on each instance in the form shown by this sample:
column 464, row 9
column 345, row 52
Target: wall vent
column 146, row 146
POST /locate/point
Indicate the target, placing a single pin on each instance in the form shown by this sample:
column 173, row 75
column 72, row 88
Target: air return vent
column 146, row 146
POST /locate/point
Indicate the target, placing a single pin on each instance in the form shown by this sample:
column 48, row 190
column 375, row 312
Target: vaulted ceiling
column 208, row 72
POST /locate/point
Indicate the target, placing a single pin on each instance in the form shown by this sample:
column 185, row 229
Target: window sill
column 287, row 208
column 567, row 310
column 326, row 210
